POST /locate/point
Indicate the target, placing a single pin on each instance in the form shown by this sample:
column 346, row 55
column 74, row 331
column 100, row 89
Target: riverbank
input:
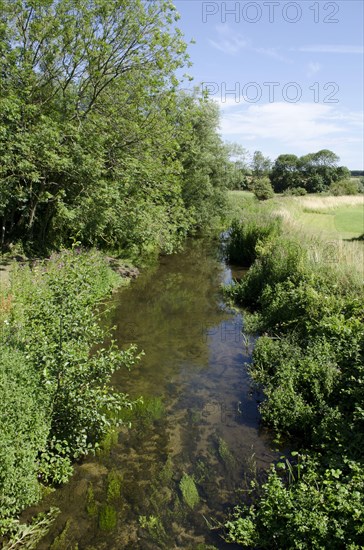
column 309, row 362
column 57, row 402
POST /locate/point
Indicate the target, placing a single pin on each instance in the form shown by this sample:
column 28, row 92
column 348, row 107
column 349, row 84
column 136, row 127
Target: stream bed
column 195, row 443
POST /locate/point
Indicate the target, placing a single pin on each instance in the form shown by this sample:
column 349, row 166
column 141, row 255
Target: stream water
column 199, row 421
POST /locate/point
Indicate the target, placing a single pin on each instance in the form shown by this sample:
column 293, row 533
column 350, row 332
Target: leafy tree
column 285, row 174
column 87, row 97
column 314, row 172
column 319, row 170
column 260, row 165
column 204, row 159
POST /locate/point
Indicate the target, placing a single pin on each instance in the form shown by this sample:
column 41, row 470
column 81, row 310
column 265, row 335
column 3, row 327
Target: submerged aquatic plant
column 114, row 486
column 108, row 518
column 154, row 526
column 189, row 491
column 225, row 454
column 91, row 506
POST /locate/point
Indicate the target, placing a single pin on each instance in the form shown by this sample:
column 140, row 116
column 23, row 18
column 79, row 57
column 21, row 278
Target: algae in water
column 189, row 491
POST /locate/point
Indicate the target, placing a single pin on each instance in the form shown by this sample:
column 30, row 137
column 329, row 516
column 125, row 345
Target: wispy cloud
column 332, row 48
column 230, row 42
column 313, row 68
column 316, row 126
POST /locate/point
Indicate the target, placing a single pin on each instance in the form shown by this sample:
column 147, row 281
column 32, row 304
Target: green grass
column 350, row 220
column 338, row 221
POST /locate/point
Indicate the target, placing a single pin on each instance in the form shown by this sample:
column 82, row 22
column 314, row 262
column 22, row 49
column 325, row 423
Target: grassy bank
column 330, row 228
column 310, row 364
column 56, row 400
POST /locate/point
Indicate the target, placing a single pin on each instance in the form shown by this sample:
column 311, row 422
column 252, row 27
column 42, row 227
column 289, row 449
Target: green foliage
column 225, row 454
column 56, row 399
column 91, row 506
column 345, row 187
column 320, row 508
column 23, row 431
column 61, row 541
column 154, row 526
column 108, row 517
column 310, row 364
column 15, row 535
column 295, row 191
column 96, row 142
column 262, row 189
column 248, row 233
column 189, row 491
column 114, row 480
column 314, row 172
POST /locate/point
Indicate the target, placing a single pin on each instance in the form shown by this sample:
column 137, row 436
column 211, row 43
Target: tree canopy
column 96, row 141
column 314, row 172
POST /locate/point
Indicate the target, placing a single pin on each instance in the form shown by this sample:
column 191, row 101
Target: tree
column 260, row 165
column 318, row 170
column 262, row 189
column 78, row 101
column 285, row 173
column 204, row 159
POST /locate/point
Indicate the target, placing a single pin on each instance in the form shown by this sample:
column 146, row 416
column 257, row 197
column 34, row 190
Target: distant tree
column 314, row 172
column 319, row 170
column 238, row 169
column 260, row 165
column 285, row 173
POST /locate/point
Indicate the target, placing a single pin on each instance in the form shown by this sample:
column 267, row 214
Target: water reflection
column 200, row 419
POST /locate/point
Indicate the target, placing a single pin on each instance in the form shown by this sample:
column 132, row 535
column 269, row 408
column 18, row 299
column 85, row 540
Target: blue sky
column 288, row 75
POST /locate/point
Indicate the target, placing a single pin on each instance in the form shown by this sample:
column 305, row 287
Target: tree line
column 312, row 173
column 97, row 142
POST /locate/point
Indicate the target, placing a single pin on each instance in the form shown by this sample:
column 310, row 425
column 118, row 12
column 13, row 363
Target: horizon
column 288, row 76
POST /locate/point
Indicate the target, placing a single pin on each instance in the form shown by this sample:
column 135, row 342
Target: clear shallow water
column 200, row 418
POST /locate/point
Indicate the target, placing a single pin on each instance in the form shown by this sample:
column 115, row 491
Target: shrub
column 295, row 191
column 247, row 233
column 319, row 508
column 345, row 187
column 55, row 313
column 23, row 431
column 262, row 189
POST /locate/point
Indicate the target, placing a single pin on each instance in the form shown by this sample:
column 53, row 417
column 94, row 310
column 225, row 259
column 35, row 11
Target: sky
column 288, row 76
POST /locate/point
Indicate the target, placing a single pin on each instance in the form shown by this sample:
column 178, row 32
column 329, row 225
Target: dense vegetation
column 100, row 148
column 310, row 363
column 56, row 401
column 96, row 142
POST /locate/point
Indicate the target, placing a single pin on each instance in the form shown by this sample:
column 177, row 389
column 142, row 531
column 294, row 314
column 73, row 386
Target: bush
column 319, row 508
column 310, row 365
column 345, row 187
column 262, row 189
column 277, row 260
column 295, row 191
column 247, row 233
column 56, row 399
column 24, row 408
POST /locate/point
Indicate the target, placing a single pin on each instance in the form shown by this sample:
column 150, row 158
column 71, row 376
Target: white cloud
column 300, row 127
column 313, row 68
column 332, row 48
